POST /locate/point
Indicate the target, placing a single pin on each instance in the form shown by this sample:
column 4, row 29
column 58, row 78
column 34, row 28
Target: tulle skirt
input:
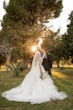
column 35, row 90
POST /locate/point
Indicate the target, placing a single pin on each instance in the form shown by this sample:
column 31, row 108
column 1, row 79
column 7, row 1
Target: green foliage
column 23, row 67
column 62, row 47
column 70, row 34
column 28, row 11
column 57, row 52
column 15, row 68
column 67, row 39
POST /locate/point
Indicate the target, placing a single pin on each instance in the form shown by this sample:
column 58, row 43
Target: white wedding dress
column 33, row 89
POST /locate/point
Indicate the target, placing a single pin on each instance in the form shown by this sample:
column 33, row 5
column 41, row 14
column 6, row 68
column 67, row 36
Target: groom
column 47, row 61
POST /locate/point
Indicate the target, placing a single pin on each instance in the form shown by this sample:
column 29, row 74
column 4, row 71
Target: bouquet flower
column 44, row 75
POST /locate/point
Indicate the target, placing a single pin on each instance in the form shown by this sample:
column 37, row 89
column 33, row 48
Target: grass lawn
column 63, row 79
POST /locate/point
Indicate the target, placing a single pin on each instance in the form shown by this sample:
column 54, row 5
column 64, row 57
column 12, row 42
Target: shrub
column 15, row 67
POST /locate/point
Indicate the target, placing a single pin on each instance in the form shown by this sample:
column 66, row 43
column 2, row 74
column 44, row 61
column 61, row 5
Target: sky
column 2, row 11
column 60, row 22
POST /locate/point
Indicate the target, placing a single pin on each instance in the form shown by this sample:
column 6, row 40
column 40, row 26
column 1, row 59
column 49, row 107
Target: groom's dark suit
column 47, row 63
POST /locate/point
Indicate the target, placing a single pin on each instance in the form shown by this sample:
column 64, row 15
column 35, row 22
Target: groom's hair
column 43, row 49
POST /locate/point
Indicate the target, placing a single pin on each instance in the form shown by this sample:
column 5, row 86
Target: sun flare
column 33, row 48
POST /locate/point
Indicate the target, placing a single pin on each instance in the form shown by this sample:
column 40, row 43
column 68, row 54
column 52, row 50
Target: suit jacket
column 47, row 62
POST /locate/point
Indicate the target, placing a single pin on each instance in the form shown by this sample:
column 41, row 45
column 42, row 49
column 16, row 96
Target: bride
column 34, row 89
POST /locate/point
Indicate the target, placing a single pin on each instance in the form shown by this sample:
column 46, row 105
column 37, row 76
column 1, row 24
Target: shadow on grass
column 63, row 78
column 67, row 72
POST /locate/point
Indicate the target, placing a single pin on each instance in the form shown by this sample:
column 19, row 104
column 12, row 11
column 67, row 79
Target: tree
column 63, row 49
column 29, row 11
column 70, row 34
column 52, row 44
column 50, row 40
column 57, row 53
column 67, row 39
column 20, row 22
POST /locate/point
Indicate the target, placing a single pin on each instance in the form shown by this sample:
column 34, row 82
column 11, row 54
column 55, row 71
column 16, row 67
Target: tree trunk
column 7, row 62
column 57, row 64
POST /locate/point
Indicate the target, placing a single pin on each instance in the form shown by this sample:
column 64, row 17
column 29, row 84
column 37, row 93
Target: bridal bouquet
column 44, row 75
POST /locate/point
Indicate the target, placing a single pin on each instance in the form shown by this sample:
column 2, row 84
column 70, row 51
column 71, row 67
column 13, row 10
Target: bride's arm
column 40, row 60
column 42, row 70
